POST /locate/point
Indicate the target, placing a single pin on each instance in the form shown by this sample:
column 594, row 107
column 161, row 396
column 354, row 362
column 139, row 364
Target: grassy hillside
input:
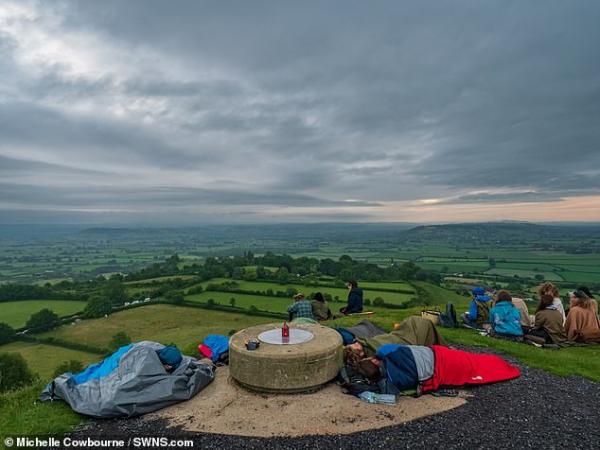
column 43, row 359
column 163, row 323
column 582, row 361
column 21, row 413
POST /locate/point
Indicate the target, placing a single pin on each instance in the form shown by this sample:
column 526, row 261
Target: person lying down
column 398, row 367
column 367, row 338
column 136, row 379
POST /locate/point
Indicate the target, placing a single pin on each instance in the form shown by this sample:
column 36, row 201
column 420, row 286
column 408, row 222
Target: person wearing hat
column 300, row 308
column 479, row 308
column 170, row 357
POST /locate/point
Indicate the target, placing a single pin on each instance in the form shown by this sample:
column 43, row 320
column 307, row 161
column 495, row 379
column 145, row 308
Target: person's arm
column 473, row 310
column 352, row 302
column 493, row 319
column 569, row 325
column 385, row 350
column 291, row 311
column 539, row 321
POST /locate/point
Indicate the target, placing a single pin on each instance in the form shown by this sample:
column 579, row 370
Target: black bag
column 354, row 383
column 448, row 318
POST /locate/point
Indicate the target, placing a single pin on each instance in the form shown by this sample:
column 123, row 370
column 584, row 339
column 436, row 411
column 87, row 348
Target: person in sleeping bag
column 412, row 331
column 428, row 369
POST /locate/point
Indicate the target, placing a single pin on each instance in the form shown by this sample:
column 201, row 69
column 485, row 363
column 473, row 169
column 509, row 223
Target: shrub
column 211, row 302
column 72, row 366
column 196, row 290
column 119, row 340
column 367, row 302
column 97, row 306
column 378, row 301
column 6, row 333
column 43, row 320
column 14, row 372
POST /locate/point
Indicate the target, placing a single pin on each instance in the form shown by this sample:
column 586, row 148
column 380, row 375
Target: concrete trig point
column 312, row 357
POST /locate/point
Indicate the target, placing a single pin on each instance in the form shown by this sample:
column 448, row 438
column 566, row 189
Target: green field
column 264, row 303
column 274, row 304
column 17, row 313
column 162, row 323
column 341, row 293
column 43, row 359
column 548, row 276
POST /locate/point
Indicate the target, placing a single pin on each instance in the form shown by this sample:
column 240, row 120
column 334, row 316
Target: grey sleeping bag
column 130, row 382
column 365, row 329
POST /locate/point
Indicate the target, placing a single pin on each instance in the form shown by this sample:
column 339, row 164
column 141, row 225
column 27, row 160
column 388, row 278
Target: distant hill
column 498, row 232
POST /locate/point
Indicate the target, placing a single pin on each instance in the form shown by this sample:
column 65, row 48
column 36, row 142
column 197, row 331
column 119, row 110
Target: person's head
column 351, row 284
column 353, row 353
column 170, row 357
column 369, row 368
column 477, row 291
column 503, row 296
column 545, row 301
column 548, row 288
column 318, row 297
column 586, row 291
column 578, row 298
column 298, row 297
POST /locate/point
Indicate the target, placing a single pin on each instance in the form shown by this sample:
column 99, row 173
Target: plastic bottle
column 372, row 397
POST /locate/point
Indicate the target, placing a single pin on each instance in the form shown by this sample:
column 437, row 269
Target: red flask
column 285, row 332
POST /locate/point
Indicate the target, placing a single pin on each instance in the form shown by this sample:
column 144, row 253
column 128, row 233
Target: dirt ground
column 225, row 408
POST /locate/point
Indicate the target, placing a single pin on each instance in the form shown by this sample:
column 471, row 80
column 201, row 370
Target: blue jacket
column 355, row 301
column 473, row 305
column 505, row 319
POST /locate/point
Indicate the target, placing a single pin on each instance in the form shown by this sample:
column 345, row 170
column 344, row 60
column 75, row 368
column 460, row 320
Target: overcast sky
column 192, row 112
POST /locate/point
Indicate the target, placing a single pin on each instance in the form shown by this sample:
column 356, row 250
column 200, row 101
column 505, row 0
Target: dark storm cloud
column 300, row 104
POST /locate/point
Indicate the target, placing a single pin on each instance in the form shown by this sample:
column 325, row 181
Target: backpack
column 448, row 318
column 354, row 383
column 483, row 311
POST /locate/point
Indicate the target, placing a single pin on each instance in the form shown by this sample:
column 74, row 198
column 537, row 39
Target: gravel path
column 537, row 410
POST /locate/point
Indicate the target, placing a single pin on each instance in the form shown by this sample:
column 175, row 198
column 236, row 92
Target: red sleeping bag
column 457, row 368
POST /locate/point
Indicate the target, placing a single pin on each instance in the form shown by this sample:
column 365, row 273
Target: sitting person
column 593, row 301
column 524, row 317
column 355, row 299
column 548, row 322
column 550, row 289
column 320, row 309
column 412, row 331
column 479, row 309
column 402, row 367
column 582, row 324
column 300, row 308
column 504, row 318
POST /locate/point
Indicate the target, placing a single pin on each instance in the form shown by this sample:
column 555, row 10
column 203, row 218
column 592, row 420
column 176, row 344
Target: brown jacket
column 551, row 321
column 582, row 324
